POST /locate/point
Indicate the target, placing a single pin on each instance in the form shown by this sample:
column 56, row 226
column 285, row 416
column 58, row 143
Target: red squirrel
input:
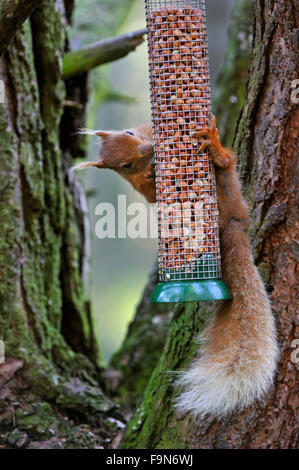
column 237, row 360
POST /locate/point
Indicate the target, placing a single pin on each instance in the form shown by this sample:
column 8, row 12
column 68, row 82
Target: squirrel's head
column 127, row 152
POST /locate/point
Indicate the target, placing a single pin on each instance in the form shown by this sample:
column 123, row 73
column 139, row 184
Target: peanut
column 181, row 104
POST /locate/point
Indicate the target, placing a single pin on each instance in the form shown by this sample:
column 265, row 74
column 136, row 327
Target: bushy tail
column 239, row 353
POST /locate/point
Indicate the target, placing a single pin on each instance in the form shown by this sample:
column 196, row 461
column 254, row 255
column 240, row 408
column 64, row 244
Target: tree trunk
column 49, row 383
column 266, row 142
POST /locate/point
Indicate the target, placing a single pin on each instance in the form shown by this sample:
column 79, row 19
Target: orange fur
column 120, row 149
column 237, row 360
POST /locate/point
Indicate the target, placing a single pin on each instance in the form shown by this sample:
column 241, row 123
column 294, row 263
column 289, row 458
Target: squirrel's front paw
column 212, row 141
column 150, row 172
column 145, row 184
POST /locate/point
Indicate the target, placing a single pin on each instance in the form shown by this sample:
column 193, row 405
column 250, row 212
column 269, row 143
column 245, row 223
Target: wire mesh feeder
column 189, row 249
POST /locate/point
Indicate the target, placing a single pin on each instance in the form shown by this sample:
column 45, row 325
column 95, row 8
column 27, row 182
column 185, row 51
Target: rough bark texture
column 13, row 13
column 49, row 383
column 266, row 142
column 131, row 367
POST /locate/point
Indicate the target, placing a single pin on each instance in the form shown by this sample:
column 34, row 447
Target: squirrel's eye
column 129, row 132
column 127, row 165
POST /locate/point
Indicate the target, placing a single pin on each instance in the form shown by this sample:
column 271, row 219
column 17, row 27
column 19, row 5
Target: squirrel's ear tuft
column 145, row 149
column 83, row 165
column 86, row 132
column 102, row 134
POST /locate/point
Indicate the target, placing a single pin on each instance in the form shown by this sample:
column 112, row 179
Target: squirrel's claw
column 210, row 132
column 150, row 173
column 203, row 132
column 210, row 138
column 205, row 144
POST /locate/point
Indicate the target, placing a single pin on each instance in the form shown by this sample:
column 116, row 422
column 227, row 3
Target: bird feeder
column 189, row 249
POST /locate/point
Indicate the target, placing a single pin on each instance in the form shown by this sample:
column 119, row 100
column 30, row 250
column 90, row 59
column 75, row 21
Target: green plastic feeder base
column 191, row 291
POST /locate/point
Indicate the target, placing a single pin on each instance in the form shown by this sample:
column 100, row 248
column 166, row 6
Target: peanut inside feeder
column 189, row 249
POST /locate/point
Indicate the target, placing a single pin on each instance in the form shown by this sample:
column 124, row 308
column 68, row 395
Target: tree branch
column 108, row 50
column 13, row 13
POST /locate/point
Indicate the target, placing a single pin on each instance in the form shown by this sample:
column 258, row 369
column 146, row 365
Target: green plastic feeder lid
column 191, row 291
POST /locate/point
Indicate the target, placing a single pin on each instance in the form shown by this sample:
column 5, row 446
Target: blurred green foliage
column 97, row 19
column 94, row 20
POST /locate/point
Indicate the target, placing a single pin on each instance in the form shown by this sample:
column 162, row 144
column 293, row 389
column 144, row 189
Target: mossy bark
column 266, row 142
column 49, row 383
column 131, row 367
column 13, row 13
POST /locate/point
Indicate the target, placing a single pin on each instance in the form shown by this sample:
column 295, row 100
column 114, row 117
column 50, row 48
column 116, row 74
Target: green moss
column 155, row 422
column 16, row 438
column 81, row 397
column 146, row 338
column 39, row 426
column 36, row 220
column 39, row 420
